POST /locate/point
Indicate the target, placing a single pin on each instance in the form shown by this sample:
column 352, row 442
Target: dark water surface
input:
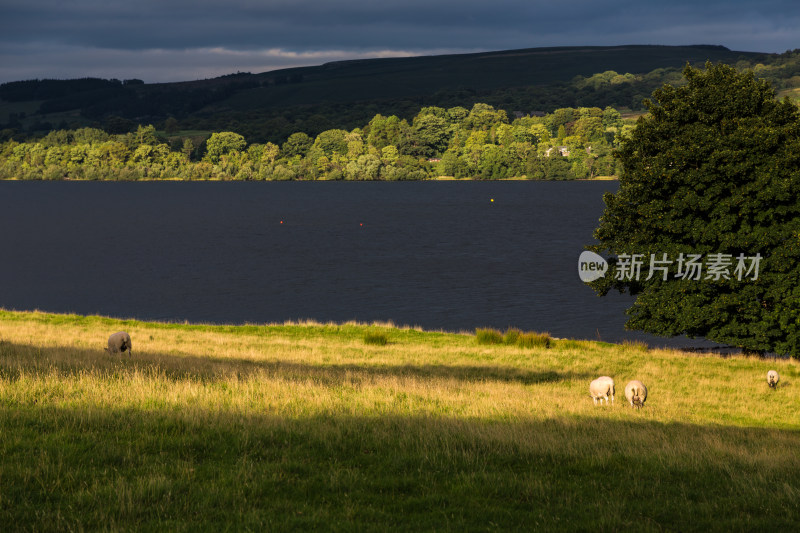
column 441, row 255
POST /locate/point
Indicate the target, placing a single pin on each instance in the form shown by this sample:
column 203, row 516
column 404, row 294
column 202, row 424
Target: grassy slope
column 350, row 81
column 399, row 78
column 306, row 426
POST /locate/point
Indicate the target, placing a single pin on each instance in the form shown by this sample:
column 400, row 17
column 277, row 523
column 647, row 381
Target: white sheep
column 601, row 389
column 773, row 378
column 119, row 342
column 636, row 393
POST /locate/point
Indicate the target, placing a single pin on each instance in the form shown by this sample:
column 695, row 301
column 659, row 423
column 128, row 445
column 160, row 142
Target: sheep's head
column 772, row 378
column 637, row 400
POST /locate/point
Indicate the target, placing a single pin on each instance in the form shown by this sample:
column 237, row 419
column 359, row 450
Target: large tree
column 223, row 143
column 705, row 226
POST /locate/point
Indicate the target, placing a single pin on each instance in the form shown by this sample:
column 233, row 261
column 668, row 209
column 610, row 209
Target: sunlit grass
column 493, row 336
column 308, row 425
column 378, row 338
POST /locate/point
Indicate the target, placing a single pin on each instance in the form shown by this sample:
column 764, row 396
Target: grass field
column 318, row 427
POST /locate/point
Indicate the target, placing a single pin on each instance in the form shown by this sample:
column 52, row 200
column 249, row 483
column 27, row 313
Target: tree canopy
column 705, row 226
column 223, row 143
column 479, row 143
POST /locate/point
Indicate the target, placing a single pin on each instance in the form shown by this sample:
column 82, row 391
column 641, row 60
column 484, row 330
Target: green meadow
column 354, row 427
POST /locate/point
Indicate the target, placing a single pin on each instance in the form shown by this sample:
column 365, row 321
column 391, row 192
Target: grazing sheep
column 601, row 389
column 636, row 393
column 119, row 342
column 773, row 378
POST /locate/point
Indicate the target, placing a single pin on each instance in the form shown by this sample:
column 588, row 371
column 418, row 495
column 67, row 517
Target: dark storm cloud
column 205, row 36
column 246, row 24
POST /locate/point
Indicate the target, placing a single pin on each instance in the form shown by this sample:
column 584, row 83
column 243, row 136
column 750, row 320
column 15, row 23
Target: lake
column 440, row 255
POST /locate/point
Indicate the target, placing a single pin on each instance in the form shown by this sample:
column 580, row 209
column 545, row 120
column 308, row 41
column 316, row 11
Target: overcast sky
column 175, row 40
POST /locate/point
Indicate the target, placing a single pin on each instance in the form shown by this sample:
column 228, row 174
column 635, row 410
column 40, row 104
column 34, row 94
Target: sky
column 181, row 40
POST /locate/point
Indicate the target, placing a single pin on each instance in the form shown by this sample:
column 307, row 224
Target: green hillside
column 272, row 105
column 350, row 81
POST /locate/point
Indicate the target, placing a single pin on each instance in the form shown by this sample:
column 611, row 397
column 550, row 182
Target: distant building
column 563, row 150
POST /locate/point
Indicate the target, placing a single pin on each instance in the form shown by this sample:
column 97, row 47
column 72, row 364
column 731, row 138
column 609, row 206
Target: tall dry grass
column 423, row 409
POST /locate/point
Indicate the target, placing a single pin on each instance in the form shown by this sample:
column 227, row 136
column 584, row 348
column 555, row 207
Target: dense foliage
column 477, row 143
column 712, row 173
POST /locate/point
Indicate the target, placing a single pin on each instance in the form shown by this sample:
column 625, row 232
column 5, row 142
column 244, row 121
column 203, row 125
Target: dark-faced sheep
column 636, row 393
column 773, row 378
column 120, row 342
column 601, row 389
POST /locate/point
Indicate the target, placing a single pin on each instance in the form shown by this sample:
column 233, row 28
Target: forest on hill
column 346, row 95
column 241, row 134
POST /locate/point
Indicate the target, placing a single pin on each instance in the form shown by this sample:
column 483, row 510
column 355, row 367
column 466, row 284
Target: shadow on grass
column 197, row 470
column 72, row 360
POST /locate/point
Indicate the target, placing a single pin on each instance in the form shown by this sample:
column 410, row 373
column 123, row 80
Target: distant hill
column 338, row 94
column 349, row 81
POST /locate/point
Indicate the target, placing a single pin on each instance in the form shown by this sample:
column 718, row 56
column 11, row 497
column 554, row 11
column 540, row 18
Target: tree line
column 481, row 143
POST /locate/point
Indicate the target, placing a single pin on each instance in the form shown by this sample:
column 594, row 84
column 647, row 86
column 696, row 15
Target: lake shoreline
column 440, row 178
column 449, row 257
